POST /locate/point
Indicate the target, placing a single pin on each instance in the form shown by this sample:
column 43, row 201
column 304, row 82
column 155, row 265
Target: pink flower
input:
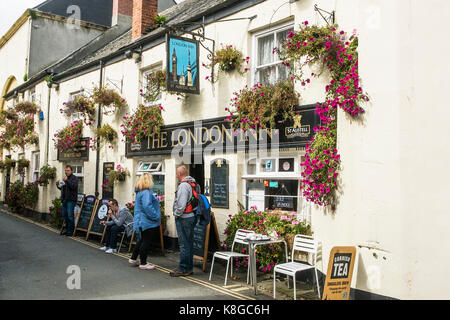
column 295, row 222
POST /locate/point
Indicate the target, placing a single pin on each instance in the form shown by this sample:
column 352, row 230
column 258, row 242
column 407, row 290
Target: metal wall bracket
column 331, row 15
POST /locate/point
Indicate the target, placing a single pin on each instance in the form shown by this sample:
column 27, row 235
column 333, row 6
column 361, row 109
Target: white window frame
column 76, row 116
column 77, row 174
column 157, row 170
column 275, row 174
column 143, row 83
column 261, row 34
column 36, row 166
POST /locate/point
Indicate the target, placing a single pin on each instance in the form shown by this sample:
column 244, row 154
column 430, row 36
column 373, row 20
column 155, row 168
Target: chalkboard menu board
column 219, row 183
column 107, row 190
column 205, row 240
column 89, row 206
column 100, row 215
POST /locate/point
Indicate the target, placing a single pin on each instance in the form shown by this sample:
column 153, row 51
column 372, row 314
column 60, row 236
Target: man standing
column 120, row 220
column 184, row 207
column 69, row 194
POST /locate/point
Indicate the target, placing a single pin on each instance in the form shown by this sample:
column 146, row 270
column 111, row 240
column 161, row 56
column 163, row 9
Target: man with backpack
column 184, row 210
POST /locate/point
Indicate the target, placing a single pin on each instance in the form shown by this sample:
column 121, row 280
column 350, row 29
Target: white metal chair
column 124, row 232
column 305, row 244
column 239, row 237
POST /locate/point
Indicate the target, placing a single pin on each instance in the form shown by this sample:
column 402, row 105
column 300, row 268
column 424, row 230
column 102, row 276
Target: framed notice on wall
column 219, row 184
column 182, row 65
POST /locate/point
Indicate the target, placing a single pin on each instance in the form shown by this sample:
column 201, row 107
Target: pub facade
column 390, row 197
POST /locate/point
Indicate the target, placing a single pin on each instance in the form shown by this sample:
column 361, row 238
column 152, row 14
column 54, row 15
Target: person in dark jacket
column 69, row 194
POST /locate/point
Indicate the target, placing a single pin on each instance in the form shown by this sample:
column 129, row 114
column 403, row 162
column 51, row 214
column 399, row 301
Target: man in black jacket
column 69, row 195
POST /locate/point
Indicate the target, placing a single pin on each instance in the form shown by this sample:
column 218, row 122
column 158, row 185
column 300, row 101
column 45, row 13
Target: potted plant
column 22, row 164
column 80, row 104
column 118, row 175
column 107, row 134
column 69, row 136
column 146, row 121
column 263, row 106
column 108, row 99
column 46, row 173
column 228, row 59
column 9, row 163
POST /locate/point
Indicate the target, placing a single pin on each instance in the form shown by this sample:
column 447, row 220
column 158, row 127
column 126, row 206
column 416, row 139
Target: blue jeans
column 111, row 235
column 68, row 215
column 185, row 230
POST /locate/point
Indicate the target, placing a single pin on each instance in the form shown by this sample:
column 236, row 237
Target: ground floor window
column 270, row 194
column 79, row 173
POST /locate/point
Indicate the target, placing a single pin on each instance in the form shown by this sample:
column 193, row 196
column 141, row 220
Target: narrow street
column 34, row 262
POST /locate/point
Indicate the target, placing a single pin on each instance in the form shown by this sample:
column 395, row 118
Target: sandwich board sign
column 339, row 274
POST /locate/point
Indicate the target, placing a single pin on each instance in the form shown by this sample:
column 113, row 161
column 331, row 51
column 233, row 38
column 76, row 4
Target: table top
column 268, row 241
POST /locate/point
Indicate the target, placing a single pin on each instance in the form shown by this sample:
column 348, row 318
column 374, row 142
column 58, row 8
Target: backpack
column 199, row 204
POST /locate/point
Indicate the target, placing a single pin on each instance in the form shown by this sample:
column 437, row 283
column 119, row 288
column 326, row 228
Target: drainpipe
column 48, row 125
column 99, row 124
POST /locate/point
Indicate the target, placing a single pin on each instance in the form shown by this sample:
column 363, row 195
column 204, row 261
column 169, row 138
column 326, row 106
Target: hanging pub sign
column 78, row 152
column 182, row 65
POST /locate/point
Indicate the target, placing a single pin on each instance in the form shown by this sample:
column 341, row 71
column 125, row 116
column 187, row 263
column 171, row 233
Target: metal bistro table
column 252, row 255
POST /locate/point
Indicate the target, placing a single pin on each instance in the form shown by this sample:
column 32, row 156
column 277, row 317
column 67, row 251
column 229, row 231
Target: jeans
column 144, row 244
column 185, row 230
column 111, row 235
column 68, row 215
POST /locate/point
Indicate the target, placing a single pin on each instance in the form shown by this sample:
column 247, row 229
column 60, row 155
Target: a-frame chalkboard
column 87, row 209
column 205, row 240
column 94, row 226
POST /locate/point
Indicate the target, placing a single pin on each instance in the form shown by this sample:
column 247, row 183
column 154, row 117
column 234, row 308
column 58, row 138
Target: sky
column 11, row 10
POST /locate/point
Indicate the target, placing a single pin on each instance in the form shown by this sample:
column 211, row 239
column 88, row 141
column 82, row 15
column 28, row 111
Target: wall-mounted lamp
column 135, row 54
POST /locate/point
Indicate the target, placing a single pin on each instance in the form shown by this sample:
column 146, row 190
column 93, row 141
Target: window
column 33, row 95
column 22, row 175
column 273, row 183
column 76, row 116
column 79, row 173
column 36, row 166
column 156, row 170
column 269, row 68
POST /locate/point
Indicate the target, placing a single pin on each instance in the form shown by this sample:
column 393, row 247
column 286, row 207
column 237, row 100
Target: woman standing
column 147, row 218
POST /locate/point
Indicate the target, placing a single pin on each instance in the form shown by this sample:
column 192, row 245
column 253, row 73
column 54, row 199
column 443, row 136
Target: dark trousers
column 68, row 215
column 111, row 235
column 144, row 244
column 185, row 230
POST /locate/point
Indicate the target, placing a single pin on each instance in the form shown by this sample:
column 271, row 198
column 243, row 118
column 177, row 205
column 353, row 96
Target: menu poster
column 219, row 184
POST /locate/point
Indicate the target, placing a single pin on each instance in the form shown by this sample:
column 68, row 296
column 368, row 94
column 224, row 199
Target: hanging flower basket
column 106, row 134
column 146, row 121
column 109, row 100
column 22, row 164
column 80, row 104
column 47, row 173
column 69, row 137
column 117, row 175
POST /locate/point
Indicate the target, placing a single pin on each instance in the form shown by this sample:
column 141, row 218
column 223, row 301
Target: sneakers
column 133, row 262
column 147, row 266
column 104, row 248
column 111, row 250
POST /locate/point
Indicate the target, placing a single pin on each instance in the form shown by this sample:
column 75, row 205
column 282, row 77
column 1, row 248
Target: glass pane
column 251, row 166
column 281, row 194
column 80, row 185
column 265, row 47
column 282, row 72
column 158, row 184
column 280, row 37
column 266, row 75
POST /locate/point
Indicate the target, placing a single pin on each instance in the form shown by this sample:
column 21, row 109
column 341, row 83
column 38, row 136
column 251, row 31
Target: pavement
column 35, row 261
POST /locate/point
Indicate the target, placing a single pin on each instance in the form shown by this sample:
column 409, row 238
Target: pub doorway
column 197, row 171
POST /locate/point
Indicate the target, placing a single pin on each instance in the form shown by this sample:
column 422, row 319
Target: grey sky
column 11, row 10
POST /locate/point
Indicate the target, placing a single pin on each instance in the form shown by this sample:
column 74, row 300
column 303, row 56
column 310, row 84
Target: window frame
column 256, row 36
column 36, row 171
column 143, row 81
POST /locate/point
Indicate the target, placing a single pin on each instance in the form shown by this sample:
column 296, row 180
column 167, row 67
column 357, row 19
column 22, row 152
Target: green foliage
column 83, row 105
column 69, row 137
column 146, row 121
column 106, row 134
column 109, row 100
column 22, row 164
column 160, row 20
column 56, row 213
column 31, row 194
column 263, row 106
column 47, row 173
column 14, row 196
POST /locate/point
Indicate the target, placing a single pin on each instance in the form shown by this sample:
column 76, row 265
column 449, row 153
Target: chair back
column 240, row 236
column 304, row 243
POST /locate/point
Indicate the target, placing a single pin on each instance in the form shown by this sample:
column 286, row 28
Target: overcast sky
column 11, row 10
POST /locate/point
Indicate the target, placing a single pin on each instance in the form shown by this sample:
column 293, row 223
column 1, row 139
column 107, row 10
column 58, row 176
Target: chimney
column 144, row 12
column 122, row 11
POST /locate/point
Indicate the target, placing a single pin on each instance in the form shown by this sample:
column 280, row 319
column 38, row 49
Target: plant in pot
column 69, row 137
column 146, row 121
column 46, row 173
column 109, row 100
column 9, row 163
column 263, row 106
column 106, row 134
column 22, row 164
column 118, row 175
column 80, row 104
column 228, row 59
